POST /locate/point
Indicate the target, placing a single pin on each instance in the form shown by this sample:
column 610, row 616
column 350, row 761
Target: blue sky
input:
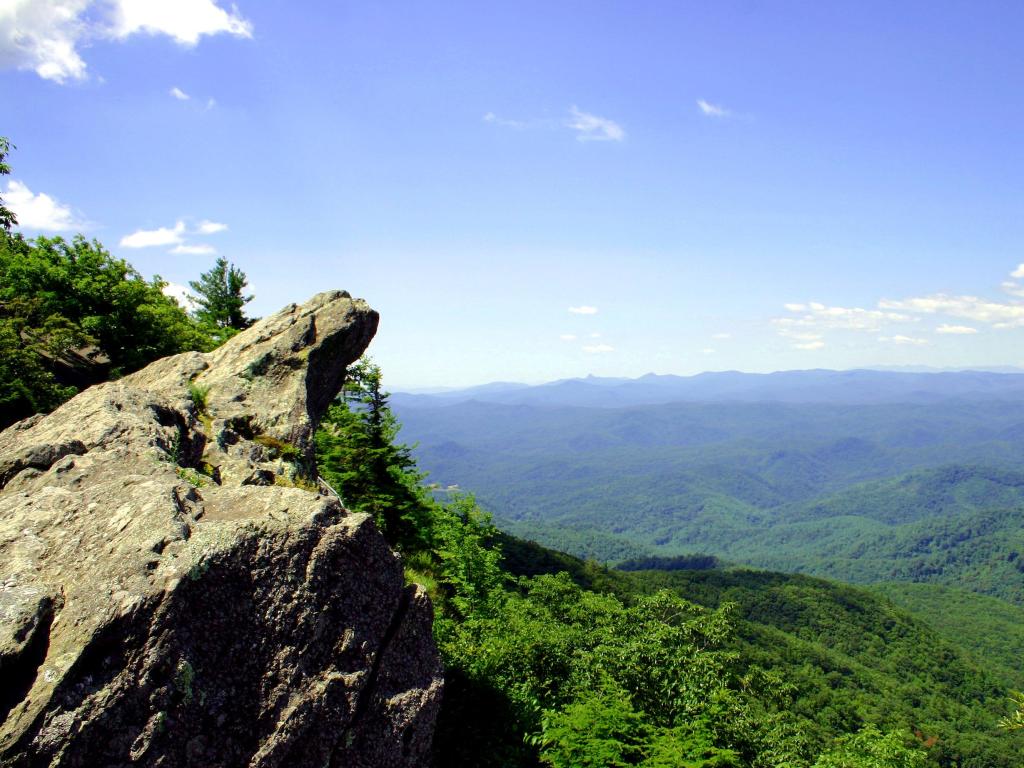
column 536, row 190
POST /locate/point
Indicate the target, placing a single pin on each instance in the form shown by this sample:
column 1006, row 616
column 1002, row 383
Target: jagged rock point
column 176, row 588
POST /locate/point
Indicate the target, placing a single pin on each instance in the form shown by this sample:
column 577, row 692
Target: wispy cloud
column 903, row 340
column 179, row 94
column 708, row 351
column 1012, row 288
column 810, row 345
column 587, row 126
column 148, row 238
column 199, row 249
column 590, row 127
column 39, row 211
column 997, row 313
column 792, row 333
column 583, row 310
column 598, row 349
column 712, row 110
column 519, row 125
column 568, row 337
column 807, row 322
column 44, row 36
column 721, row 336
column 817, row 315
column 207, row 227
column 802, row 339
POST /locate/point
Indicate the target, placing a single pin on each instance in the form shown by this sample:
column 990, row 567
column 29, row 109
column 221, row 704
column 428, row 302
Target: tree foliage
column 359, row 456
column 1015, row 721
column 72, row 314
column 870, row 748
column 220, row 299
column 7, row 217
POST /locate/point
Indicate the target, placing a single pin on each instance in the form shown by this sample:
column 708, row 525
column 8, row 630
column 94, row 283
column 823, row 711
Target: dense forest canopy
column 862, row 492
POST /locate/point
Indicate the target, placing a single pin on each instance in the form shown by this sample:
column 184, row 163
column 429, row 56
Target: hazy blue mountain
column 811, row 386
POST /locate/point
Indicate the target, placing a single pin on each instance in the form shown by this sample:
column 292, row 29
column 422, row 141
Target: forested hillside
column 552, row 660
column 918, row 491
column 991, row 628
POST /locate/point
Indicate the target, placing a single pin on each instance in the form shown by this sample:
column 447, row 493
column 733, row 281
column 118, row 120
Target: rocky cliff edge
column 176, row 590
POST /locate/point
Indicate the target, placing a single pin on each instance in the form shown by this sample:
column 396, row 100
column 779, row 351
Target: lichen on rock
column 175, row 591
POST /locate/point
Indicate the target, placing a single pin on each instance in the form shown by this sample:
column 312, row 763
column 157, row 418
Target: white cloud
column 597, row 349
column 180, row 294
column 999, row 314
column 721, row 336
column 568, row 337
column 1012, row 288
column 147, row 238
column 595, row 335
column 39, row 211
column 210, row 227
column 44, row 36
column 200, row 249
column 590, row 127
column 712, row 110
column 791, row 333
column 708, row 351
column 955, row 329
column 817, row 315
column 903, row 340
column 583, row 310
column 41, row 35
column 184, row 20
column 179, row 94
column 1018, row 272
column 803, row 339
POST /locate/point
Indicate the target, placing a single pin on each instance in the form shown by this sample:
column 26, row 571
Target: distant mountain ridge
column 860, row 386
column 863, row 476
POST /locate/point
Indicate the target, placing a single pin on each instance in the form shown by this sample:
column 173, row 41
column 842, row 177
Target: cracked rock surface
column 174, row 590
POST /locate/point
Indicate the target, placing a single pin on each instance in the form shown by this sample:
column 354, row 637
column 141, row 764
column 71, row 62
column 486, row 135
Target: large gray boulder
column 176, row 590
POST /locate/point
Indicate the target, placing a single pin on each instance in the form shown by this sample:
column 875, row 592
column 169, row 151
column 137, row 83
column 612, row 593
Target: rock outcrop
column 175, row 589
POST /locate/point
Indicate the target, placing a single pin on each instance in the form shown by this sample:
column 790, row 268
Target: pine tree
column 220, row 299
column 357, row 454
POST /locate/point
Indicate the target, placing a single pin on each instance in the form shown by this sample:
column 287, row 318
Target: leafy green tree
column 1015, row 722
column 71, row 315
column 468, row 563
column 870, row 748
column 26, row 386
column 599, row 730
column 220, row 298
column 7, row 217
